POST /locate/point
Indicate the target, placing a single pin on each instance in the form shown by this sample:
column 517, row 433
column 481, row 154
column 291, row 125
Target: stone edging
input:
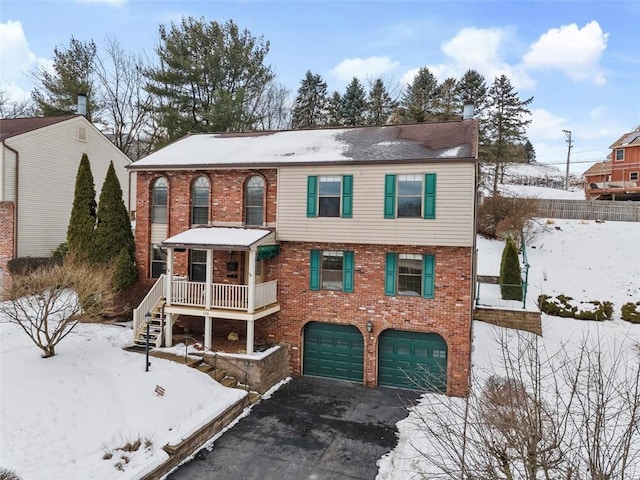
column 178, row 453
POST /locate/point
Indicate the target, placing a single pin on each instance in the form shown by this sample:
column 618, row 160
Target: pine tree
column 113, row 230
column 74, row 72
column 505, row 124
column 530, row 152
column 311, row 103
column 446, row 103
column 354, row 104
column 471, row 89
column 380, row 105
column 80, row 232
column 334, row 117
column 510, row 274
column 419, row 98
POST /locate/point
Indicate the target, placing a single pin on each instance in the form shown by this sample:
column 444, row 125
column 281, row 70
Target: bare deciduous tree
column 47, row 303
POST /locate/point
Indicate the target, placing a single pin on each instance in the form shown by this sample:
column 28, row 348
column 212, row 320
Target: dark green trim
column 314, row 271
column 390, row 274
column 428, row 276
column 389, row 196
column 347, row 271
column 312, row 196
column 429, row 196
column 347, row 196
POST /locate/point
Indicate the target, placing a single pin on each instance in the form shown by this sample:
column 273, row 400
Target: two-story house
column 39, row 160
column 619, row 177
column 354, row 246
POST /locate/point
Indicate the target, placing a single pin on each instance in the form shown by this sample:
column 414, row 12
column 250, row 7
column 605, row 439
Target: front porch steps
column 155, row 330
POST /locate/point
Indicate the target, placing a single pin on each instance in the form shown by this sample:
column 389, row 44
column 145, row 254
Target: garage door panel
column 412, row 360
column 333, row 351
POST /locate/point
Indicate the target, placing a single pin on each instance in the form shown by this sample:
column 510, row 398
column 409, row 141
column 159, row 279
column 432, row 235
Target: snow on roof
column 449, row 140
column 217, row 236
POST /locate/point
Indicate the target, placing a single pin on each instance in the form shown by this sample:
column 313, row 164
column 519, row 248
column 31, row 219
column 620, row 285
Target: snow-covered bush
column 567, row 307
column 631, row 312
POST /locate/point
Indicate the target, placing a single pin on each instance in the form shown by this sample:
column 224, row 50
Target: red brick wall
column 227, row 205
column 448, row 314
column 6, row 237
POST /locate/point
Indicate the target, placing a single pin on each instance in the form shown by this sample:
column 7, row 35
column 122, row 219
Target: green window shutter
column 347, row 196
column 312, row 196
column 347, row 272
column 314, row 272
column 428, row 276
column 430, row 196
column 389, row 196
column 390, row 274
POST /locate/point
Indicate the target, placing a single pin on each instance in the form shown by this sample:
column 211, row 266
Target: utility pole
column 569, row 145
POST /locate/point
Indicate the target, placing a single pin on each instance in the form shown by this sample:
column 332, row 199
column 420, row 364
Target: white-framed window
column 409, row 196
column 410, row 274
column 329, row 196
column 198, row 265
column 200, row 201
column 254, row 201
column 619, row 154
column 158, row 262
column 159, row 196
column 331, row 270
column 633, row 175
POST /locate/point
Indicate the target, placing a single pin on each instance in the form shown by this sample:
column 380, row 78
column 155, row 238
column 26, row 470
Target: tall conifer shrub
column 80, row 232
column 510, row 275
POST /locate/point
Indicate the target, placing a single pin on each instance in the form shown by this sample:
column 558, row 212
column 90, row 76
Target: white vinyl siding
column 8, row 176
column 453, row 225
column 49, row 160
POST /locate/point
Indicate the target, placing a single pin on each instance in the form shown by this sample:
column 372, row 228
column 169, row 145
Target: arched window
column 200, row 201
column 254, row 201
column 159, row 201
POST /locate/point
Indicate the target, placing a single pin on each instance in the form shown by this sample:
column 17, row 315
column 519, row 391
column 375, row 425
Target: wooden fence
column 589, row 210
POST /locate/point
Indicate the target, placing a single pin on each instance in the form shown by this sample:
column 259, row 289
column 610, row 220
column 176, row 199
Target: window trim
column 636, row 175
column 246, row 196
column 192, row 263
column 154, row 206
column 193, row 198
column 619, row 150
column 392, row 275
column 346, row 196
column 154, row 249
column 391, row 193
column 315, row 270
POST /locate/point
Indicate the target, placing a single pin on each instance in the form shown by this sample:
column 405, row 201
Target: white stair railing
column 147, row 304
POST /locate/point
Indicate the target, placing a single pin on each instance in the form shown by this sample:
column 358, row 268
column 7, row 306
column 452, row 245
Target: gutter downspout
column 15, row 204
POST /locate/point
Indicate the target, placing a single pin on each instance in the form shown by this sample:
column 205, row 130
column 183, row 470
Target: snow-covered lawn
column 60, row 416
column 585, row 260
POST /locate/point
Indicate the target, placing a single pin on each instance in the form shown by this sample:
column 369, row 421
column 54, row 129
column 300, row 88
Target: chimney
column 82, row 104
column 468, row 111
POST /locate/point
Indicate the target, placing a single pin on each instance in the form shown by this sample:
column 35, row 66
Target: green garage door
column 412, row 360
column 333, row 351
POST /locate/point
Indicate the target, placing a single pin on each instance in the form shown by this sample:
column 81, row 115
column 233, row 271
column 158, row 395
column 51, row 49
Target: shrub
column 26, row 265
column 61, row 251
column 631, row 312
column 498, row 216
column 6, row 474
column 510, row 275
column 566, row 307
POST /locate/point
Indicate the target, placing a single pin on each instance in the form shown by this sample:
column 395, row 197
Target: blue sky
column 580, row 60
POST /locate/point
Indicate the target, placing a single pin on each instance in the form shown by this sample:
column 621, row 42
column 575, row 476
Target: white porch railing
column 155, row 294
column 613, row 185
column 223, row 295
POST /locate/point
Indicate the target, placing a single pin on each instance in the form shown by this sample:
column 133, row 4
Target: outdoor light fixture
column 147, row 319
column 369, row 326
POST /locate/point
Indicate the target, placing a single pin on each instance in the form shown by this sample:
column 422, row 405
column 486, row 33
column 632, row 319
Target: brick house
column 618, row 178
column 354, row 246
column 39, row 159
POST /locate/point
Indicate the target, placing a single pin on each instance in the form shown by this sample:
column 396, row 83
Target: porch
column 613, row 189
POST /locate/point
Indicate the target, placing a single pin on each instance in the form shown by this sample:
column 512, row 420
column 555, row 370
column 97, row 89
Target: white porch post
column 169, row 284
column 208, row 279
column 208, row 323
column 250, row 333
column 251, row 300
column 168, row 330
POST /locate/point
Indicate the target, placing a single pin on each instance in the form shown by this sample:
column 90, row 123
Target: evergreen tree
column 446, row 104
column 354, row 104
column 125, row 272
column 113, row 230
column 471, row 89
column 209, row 77
column 74, row 72
column 510, row 275
column 418, row 101
column 80, row 232
column 505, row 124
column 380, row 105
column 311, row 103
column 529, row 151
column 334, row 116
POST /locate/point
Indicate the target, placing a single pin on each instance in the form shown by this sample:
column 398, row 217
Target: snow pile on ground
column 61, row 416
column 581, row 259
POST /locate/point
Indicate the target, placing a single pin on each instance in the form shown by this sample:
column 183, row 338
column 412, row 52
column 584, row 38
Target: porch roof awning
column 223, row 238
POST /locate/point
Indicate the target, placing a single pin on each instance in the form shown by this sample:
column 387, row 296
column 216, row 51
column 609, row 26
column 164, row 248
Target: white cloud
column 546, row 125
column 479, row 49
column 363, row 68
column 16, row 61
column 572, row 50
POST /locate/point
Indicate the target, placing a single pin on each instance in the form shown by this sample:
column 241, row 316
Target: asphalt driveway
column 311, row 428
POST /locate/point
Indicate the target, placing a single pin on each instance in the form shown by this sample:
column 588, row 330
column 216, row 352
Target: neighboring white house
column 39, row 161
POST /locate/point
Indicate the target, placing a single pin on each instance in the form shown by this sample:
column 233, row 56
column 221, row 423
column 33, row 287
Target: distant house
column 618, row 178
column 38, row 165
column 354, row 246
